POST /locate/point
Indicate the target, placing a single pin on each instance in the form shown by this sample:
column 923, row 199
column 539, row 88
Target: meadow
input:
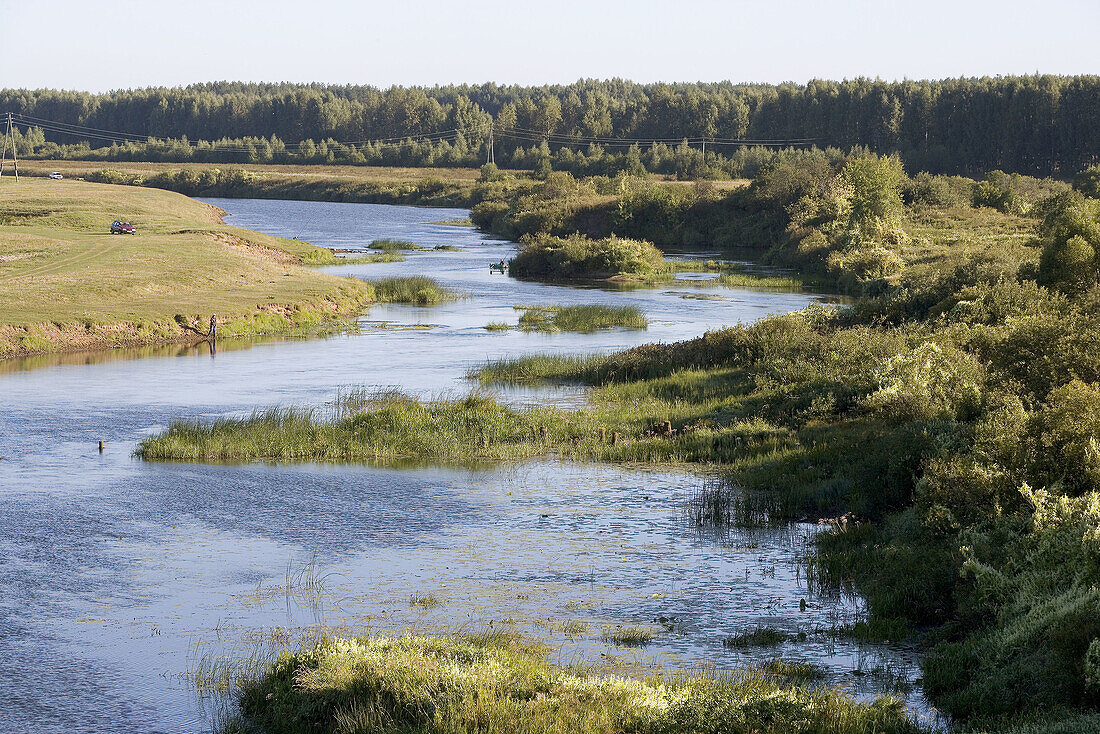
column 67, row 283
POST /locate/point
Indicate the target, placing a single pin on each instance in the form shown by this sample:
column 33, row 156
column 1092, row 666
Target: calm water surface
column 119, row 579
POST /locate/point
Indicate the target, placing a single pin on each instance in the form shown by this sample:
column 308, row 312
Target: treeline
column 1039, row 125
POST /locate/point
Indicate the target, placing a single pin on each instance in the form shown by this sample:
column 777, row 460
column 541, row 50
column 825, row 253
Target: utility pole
column 704, row 151
column 3, row 156
column 490, row 154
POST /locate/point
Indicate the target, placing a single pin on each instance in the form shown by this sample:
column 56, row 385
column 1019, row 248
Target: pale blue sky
column 116, row 44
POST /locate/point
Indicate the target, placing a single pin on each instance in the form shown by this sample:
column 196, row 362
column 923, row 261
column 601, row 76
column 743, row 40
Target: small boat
column 499, row 267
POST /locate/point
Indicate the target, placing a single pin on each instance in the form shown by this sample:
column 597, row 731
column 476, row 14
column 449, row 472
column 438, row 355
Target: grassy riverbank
column 496, row 683
column 947, row 420
column 67, row 283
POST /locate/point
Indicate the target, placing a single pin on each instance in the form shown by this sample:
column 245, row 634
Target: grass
column 416, row 289
column 395, row 245
column 757, row 637
column 383, row 426
column 498, row 326
column 628, row 635
column 498, row 683
column 373, row 257
column 66, row 283
column 798, row 670
column 582, row 319
column 424, row 601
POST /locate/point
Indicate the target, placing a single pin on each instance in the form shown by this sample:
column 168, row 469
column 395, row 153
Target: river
column 121, row 581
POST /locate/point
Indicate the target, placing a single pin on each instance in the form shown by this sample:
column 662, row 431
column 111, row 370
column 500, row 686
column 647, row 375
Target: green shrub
column 1041, row 589
column 557, row 258
column 929, row 383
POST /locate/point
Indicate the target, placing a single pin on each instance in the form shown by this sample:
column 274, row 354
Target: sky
column 118, row 44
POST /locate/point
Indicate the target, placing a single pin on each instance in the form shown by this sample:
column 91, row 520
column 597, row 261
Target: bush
column 931, row 382
column 1041, row 588
column 1088, row 182
column 557, row 258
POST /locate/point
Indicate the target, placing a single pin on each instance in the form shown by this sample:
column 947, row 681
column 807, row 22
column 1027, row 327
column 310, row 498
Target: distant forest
column 1038, row 125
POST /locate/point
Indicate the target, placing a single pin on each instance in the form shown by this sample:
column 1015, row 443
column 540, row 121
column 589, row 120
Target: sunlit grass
column 389, row 245
column 416, row 289
column 582, row 319
column 498, row 683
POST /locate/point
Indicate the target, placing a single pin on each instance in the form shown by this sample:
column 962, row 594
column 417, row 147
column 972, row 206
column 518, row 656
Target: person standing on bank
column 213, row 326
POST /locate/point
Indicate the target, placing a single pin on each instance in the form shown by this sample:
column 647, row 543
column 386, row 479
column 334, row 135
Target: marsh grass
column 416, row 289
column 758, row 637
column 498, row 326
column 495, row 682
column 797, row 670
column 581, row 319
column 627, row 635
column 388, row 256
column 424, row 601
column 372, row 426
column 389, row 245
column 537, row 367
column 719, row 503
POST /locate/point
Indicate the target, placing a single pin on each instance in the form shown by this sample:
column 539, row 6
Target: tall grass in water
column 388, row 245
column 415, row 289
column 581, row 319
column 535, row 367
column 387, row 256
column 628, row 636
column 496, row 683
column 719, row 503
column 386, row 425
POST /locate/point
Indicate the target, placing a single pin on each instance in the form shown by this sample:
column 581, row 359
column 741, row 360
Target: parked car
column 56, row 174
column 120, row 227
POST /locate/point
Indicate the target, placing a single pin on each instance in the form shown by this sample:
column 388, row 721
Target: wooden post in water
column 101, row 447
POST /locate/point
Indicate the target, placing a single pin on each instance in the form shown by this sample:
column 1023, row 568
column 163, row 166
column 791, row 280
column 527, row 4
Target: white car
column 55, row 174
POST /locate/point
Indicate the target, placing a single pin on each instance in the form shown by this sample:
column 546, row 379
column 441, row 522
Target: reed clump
column 627, row 635
column 388, row 256
column 756, row 637
column 389, row 245
column 581, row 319
column 496, row 682
column 416, row 289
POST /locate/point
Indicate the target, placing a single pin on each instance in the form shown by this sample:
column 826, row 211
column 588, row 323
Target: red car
column 120, row 227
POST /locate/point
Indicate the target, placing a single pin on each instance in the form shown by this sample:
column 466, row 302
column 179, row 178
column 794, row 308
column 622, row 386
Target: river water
column 121, row 581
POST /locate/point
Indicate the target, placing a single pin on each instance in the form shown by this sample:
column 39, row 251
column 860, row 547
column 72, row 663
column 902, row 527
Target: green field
column 67, row 283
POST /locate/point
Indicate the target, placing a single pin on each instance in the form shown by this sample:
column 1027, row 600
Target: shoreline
column 66, row 286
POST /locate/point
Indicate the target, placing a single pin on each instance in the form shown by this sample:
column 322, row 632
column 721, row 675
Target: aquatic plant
column 627, row 635
column 581, row 319
column 389, row 245
column 415, row 289
column 756, row 637
column 496, row 682
column 799, row 670
column 424, row 601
